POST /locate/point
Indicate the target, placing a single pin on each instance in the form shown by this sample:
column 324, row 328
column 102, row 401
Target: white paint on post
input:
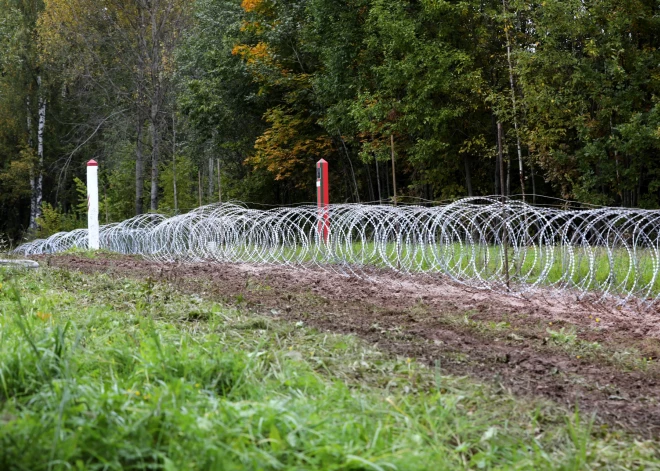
column 93, row 204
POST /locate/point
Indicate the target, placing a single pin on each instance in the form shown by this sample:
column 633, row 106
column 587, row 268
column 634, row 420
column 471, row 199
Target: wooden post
column 505, row 217
column 393, row 168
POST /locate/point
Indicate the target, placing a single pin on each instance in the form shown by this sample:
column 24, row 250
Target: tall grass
column 101, row 373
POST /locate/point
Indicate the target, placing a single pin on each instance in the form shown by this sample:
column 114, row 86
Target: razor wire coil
column 607, row 252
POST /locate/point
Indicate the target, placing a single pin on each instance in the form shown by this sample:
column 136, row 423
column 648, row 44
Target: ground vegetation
column 124, row 371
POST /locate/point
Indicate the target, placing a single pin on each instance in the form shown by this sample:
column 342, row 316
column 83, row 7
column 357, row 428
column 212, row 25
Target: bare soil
column 493, row 337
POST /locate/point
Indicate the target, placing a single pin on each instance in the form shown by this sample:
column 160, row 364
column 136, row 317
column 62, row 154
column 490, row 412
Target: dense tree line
column 186, row 102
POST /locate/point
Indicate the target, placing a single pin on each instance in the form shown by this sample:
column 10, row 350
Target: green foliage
column 117, row 182
column 5, row 243
column 187, row 191
column 50, row 220
column 590, row 85
column 54, row 220
column 270, row 87
column 563, row 336
column 81, row 191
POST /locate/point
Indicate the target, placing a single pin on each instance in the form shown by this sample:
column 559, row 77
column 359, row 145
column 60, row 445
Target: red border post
column 323, row 199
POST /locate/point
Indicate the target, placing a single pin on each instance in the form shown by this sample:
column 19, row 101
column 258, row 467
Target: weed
column 4, row 243
column 563, row 336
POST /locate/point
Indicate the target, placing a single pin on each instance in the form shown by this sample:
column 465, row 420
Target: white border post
column 93, row 204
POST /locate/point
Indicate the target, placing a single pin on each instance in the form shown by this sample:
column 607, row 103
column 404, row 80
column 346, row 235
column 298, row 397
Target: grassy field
column 616, row 271
column 105, row 373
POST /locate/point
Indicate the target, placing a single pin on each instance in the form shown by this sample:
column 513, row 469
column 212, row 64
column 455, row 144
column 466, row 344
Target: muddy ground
column 607, row 365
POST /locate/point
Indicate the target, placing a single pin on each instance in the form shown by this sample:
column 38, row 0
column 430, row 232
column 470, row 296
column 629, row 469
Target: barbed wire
column 610, row 253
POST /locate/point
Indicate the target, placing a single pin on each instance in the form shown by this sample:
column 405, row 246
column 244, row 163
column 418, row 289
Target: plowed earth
column 492, row 337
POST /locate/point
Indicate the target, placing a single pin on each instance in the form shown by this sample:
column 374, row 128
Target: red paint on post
column 92, row 163
column 323, row 199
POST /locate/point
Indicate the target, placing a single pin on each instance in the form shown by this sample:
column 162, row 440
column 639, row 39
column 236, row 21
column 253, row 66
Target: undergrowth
column 105, row 373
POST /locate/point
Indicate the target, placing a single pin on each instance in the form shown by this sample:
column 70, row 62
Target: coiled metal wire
column 612, row 253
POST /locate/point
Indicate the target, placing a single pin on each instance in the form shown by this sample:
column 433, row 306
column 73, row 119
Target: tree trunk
column 370, row 185
column 40, row 148
column 199, row 185
column 219, row 184
column 33, row 181
column 211, row 179
column 139, row 169
column 508, row 170
column 393, row 168
column 350, row 164
column 533, row 183
column 176, row 198
column 155, row 99
column 505, row 231
column 468, row 176
column 155, row 145
column 496, row 172
column 513, row 101
column 139, row 151
column 38, row 176
column 496, row 182
column 500, row 156
column 380, row 195
column 387, row 183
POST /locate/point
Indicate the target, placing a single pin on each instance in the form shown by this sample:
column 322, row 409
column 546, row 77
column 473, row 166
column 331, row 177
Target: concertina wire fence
column 607, row 253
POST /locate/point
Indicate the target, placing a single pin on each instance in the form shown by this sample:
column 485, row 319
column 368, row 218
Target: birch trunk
column 176, row 198
column 33, row 182
column 40, row 148
column 513, row 102
column 36, row 175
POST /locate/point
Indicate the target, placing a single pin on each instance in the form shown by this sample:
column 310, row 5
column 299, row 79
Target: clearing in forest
column 117, row 363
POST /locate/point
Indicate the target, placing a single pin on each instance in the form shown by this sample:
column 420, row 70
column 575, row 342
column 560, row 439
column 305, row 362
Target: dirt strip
column 493, row 337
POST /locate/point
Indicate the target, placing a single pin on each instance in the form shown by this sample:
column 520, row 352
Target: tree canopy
column 237, row 99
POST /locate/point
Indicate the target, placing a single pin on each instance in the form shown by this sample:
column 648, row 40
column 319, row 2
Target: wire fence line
column 610, row 253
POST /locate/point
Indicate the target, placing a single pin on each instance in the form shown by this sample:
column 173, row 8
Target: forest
column 191, row 102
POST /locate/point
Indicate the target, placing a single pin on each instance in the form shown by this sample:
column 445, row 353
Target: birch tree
column 22, row 75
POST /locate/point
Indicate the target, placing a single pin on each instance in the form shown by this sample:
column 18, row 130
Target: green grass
column 103, row 373
column 594, row 268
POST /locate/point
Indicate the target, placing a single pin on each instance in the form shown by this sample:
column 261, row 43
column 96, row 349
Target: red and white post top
column 92, row 163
